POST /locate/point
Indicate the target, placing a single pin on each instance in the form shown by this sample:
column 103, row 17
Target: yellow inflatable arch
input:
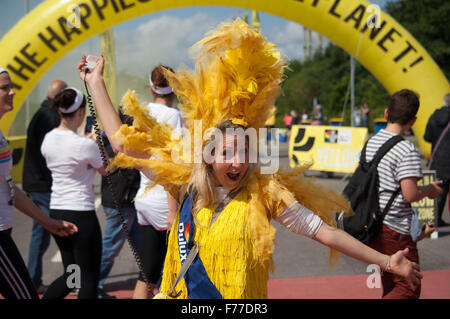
column 384, row 47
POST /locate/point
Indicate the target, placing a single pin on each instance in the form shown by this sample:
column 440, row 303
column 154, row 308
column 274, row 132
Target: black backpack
column 362, row 192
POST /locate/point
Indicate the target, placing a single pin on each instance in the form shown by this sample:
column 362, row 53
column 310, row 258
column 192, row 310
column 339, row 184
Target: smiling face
column 231, row 160
column 6, row 94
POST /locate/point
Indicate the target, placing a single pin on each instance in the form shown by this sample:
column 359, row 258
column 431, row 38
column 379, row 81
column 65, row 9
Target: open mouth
column 233, row 177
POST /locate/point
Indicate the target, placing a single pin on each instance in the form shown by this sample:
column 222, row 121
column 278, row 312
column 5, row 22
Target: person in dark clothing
column 125, row 186
column 295, row 117
column 439, row 162
column 37, row 180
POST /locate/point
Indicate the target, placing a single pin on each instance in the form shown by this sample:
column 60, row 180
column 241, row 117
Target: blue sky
column 183, row 26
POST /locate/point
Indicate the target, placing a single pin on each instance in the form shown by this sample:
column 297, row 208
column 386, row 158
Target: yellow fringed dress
column 237, row 251
column 227, row 252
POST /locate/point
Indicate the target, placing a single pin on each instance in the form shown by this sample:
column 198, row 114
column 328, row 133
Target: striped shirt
column 5, row 152
column 400, row 162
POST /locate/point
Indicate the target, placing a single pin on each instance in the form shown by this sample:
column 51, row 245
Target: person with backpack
column 389, row 169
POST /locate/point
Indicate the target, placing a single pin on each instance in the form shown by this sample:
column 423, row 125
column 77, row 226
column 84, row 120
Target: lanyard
column 195, row 248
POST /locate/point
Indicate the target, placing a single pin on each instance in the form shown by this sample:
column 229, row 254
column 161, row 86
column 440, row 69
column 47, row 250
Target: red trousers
column 389, row 242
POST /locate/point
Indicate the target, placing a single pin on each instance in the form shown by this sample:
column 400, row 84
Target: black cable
column 102, row 149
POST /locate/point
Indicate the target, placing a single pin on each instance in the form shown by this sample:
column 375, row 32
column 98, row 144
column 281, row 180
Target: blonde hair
column 202, row 181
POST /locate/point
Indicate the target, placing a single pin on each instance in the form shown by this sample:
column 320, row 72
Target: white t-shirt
column 72, row 160
column 152, row 205
column 6, row 207
column 300, row 220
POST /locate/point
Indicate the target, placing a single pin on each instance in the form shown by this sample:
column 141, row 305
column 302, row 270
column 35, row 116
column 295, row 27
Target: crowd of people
column 360, row 116
column 208, row 223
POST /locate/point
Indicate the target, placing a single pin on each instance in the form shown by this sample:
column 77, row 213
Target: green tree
column 427, row 21
column 326, row 76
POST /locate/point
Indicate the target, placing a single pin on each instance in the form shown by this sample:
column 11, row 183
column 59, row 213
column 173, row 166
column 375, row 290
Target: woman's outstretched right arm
column 105, row 109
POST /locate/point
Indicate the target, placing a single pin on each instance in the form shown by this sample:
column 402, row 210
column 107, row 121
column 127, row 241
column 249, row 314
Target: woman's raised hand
column 96, row 74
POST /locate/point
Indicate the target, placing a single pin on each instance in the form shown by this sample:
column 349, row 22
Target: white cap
column 76, row 103
column 160, row 90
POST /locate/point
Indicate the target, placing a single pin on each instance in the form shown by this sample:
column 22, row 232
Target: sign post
column 427, row 207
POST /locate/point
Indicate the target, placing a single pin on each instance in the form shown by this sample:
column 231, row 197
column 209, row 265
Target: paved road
column 294, row 256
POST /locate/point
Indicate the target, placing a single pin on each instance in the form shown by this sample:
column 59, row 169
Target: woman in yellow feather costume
column 226, row 202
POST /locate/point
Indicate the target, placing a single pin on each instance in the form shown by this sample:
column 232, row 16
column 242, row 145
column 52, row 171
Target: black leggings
column 15, row 282
column 441, row 199
column 153, row 247
column 82, row 249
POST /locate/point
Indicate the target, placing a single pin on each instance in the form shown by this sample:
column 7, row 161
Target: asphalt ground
column 295, row 257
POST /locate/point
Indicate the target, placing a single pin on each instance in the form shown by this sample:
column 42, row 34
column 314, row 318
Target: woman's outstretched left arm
column 397, row 264
column 300, row 220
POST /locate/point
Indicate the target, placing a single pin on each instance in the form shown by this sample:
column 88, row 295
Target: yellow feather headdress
column 237, row 77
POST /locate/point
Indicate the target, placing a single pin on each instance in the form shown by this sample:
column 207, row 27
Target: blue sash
column 198, row 284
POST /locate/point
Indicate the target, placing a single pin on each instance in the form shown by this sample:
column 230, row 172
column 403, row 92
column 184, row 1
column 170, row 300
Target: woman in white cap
column 15, row 282
column 73, row 161
column 155, row 207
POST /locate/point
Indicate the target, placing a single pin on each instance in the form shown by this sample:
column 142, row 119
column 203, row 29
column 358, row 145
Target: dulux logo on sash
column 197, row 281
column 183, row 238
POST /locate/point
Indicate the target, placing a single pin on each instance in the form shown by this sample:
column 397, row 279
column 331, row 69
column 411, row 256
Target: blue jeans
column 114, row 237
column 40, row 239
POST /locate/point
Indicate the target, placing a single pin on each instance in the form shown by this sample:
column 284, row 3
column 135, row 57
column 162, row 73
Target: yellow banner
column 329, row 148
column 109, row 73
